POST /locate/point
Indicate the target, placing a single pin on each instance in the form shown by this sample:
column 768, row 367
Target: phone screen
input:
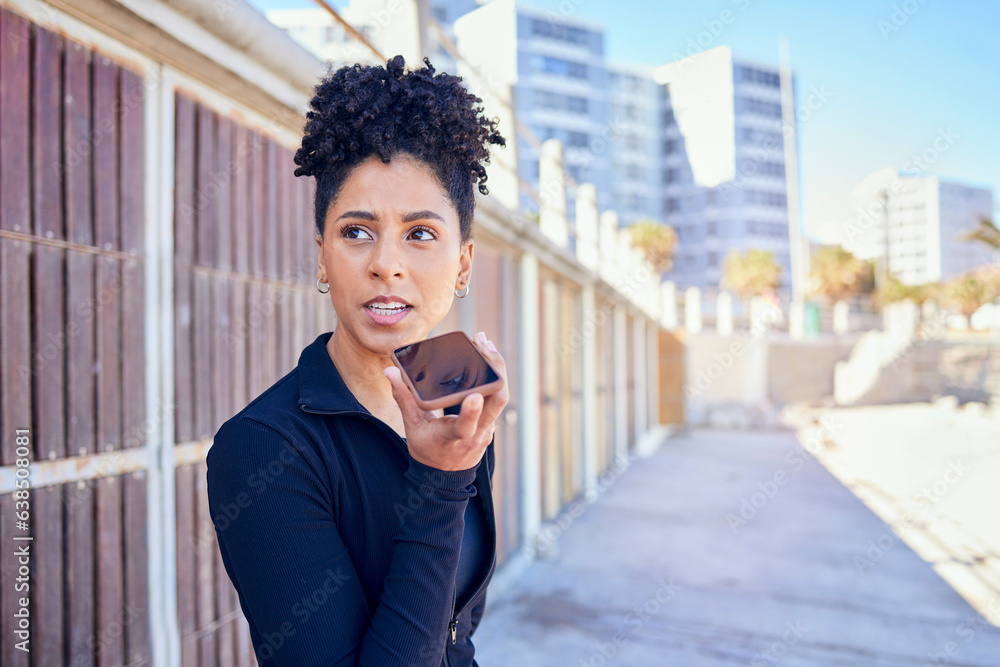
column 444, row 365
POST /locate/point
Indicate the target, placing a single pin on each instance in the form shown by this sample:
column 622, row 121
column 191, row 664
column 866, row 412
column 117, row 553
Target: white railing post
column 161, row 518
column 529, row 417
column 608, row 246
column 841, row 317
column 724, row 313
column 621, row 383
column 692, row 310
column 668, row 308
column 552, row 190
column 589, row 381
column 587, row 226
column 641, row 370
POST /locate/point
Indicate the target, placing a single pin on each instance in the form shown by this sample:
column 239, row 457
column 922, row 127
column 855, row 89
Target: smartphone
column 441, row 371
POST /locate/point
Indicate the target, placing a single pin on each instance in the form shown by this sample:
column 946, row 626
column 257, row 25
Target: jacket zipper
column 453, row 624
column 493, row 562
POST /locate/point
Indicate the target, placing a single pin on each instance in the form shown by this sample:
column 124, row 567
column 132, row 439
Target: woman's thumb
column 396, row 381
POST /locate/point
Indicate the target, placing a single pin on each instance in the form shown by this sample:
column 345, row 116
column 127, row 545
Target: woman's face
column 392, row 231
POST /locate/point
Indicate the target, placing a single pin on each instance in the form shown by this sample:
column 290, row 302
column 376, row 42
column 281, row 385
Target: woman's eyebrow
column 409, row 217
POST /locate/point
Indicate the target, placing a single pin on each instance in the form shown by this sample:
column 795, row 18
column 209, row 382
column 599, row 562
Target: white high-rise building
column 723, row 161
column 385, row 23
column 925, row 216
column 635, row 115
column 554, row 64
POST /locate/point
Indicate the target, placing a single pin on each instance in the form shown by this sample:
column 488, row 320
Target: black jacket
column 342, row 547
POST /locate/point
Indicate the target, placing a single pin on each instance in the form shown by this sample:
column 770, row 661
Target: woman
column 357, row 528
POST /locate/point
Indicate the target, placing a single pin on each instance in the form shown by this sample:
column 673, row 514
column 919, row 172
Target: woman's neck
column 361, row 370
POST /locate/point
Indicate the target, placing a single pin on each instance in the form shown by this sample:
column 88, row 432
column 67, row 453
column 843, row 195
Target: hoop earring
column 321, row 290
column 462, row 295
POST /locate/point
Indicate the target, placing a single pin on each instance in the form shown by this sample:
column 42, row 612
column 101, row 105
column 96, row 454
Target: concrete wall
column 743, row 381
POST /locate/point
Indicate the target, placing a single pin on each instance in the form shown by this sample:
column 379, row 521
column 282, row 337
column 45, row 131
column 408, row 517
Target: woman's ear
column 321, row 260
column 465, row 261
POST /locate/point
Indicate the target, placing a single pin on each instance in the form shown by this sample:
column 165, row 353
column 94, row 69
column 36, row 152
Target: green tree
column 656, row 240
column 895, row 290
column 751, row 273
column 973, row 288
column 836, row 273
column 986, row 232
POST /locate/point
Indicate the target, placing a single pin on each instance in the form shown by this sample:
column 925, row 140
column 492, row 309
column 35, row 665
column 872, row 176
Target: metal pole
column 424, row 43
column 799, row 258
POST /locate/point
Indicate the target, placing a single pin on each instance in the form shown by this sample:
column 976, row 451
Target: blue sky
column 897, row 72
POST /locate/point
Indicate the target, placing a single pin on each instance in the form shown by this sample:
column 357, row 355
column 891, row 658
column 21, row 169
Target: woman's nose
column 386, row 258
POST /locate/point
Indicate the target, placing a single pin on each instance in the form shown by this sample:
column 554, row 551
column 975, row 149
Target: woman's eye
column 346, row 232
column 429, row 233
column 458, row 382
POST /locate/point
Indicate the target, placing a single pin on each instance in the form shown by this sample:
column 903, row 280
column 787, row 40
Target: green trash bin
column 811, row 317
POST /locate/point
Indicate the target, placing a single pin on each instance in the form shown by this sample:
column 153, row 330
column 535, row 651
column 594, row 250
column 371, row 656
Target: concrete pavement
column 731, row 548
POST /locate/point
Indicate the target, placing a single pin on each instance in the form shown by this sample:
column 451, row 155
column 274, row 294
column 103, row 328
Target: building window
column 670, row 146
column 753, row 167
column 759, row 107
column 560, row 67
column 560, row 31
column 711, row 229
column 577, row 139
column 751, row 136
column 668, row 117
column 751, row 75
column 576, row 104
column 576, row 70
column 774, row 199
column 671, row 205
column 671, row 176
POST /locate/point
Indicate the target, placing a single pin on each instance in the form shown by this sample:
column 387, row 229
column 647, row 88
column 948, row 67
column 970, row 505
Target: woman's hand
column 452, row 442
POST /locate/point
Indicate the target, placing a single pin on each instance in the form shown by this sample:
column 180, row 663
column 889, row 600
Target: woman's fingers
column 496, row 401
column 411, row 411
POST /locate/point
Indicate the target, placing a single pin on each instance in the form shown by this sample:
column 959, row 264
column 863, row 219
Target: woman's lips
column 387, row 319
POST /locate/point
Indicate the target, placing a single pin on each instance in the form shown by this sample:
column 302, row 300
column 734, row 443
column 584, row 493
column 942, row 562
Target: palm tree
column 986, row 232
column 973, row 288
column 836, row 274
column 752, row 273
column 895, row 290
column 657, row 241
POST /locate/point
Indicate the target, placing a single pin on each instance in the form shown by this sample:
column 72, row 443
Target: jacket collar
column 321, row 388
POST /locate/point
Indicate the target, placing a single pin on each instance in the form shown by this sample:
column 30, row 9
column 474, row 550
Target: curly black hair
column 360, row 110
